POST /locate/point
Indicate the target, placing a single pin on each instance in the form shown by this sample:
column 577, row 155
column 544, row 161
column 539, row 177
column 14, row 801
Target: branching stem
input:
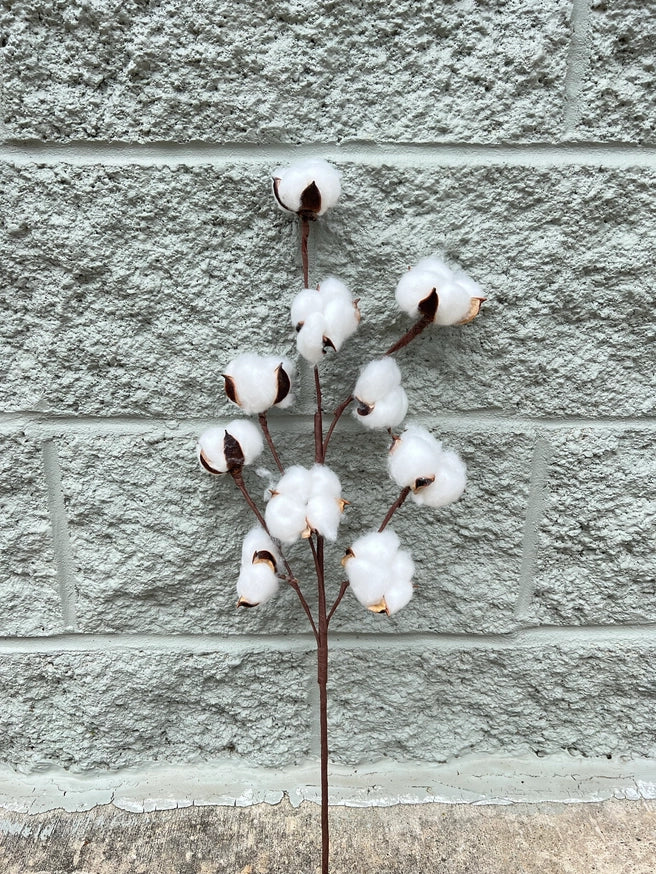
column 410, row 335
column 338, row 599
column 336, row 417
column 318, row 420
column 395, row 506
column 305, row 233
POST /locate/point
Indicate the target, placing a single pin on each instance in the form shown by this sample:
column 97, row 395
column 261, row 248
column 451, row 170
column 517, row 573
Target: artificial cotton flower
column 379, row 573
column 258, row 382
column 307, row 188
column 436, row 476
column 223, row 450
column 304, row 501
column 431, row 289
column 324, row 318
column 381, row 401
column 258, row 576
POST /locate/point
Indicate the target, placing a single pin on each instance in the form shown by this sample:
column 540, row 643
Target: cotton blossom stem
column 395, row 506
column 336, row 417
column 305, row 233
column 410, row 335
column 338, row 599
column 291, row 579
column 318, row 421
column 264, row 425
column 322, row 679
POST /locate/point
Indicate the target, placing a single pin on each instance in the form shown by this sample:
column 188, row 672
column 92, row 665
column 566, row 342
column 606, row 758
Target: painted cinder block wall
column 141, row 251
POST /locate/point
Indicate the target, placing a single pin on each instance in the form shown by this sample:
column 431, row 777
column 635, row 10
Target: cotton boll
column 342, row 320
column 285, row 518
column 376, row 380
column 414, row 287
column 257, row 382
column 454, row 302
column 305, row 304
column 386, row 412
column 434, row 265
column 414, row 456
column 366, row 580
column 309, row 340
column 307, row 188
column 449, row 484
column 257, row 584
column 380, row 546
column 249, row 438
column 212, row 444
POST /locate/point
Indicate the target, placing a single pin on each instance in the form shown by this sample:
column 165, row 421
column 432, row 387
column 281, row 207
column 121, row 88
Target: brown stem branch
column 305, row 233
column 264, row 425
column 318, row 420
column 322, row 679
column 336, row 417
column 395, row 506
column 338, row 599
column 410, row 335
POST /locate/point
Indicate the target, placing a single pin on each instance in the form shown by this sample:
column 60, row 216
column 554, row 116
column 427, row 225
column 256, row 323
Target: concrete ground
column 612, row 837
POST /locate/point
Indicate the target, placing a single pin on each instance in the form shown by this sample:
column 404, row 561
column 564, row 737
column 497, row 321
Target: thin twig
column 338, row 599
column 318, row 420
column 395, row 506
column 336, row 417
column 410, row 335
column 305, row 233
column 264, row 425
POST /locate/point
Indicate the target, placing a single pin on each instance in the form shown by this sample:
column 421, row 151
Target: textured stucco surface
column 286, row 71
column 141, row 250
column 30, row 596
column 618, row 94
column 596, row 554
column 130, row 288
column 107, row 710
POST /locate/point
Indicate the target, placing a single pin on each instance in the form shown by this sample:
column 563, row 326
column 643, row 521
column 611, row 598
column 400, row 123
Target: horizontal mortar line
column 49, row 425
column 426, row 154
column 591, row 635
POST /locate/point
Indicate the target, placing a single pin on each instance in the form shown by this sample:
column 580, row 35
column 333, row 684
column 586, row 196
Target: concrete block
column 286, row 72
column 28, row 585
column 111, row 709
column 617, row 98
column 596, row 558
column 142, row 283
column 443, row 702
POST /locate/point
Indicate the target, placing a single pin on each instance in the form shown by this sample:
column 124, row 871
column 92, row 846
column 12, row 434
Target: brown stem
column 305, row 233
column 318, row 421
column 395, row 506
column 336, row 417
column 322, row 679
column 264, row 425
column 410, row 335
column 291, row 579
column 338, row 599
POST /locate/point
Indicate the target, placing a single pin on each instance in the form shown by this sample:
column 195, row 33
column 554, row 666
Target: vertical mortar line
column 577, row 65
column 534, row 512
column 60, row 537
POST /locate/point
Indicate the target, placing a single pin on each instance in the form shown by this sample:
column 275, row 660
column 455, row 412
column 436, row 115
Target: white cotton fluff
column 290, row 183
column 414, row 455
column 211, row 443
column 305, row 499
column 449, row 484
column 256, row 584
column 257, row 540
column 325, row 317
column 255, row 381
column 379, row 569
column 379, row 388
column 454, row 291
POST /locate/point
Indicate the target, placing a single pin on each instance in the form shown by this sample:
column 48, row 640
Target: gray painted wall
column 142, row 250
